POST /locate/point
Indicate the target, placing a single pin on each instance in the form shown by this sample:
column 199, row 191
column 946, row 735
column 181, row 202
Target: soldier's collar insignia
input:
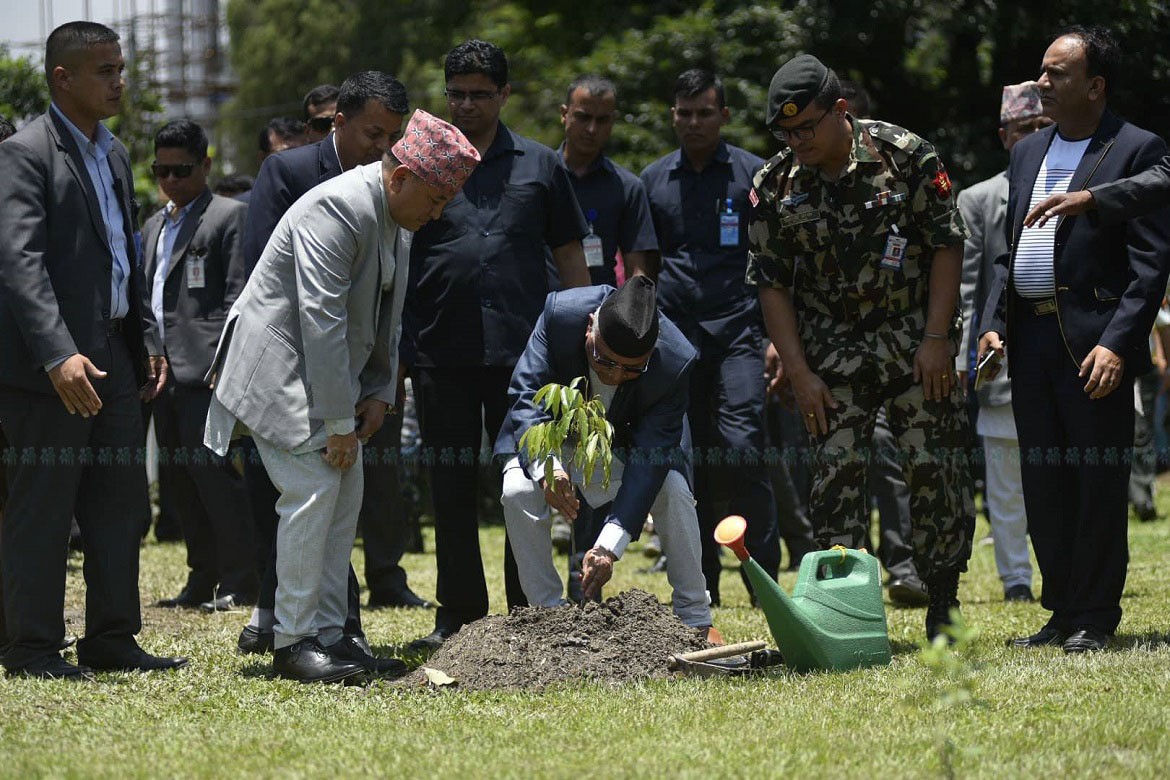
column 789, row 109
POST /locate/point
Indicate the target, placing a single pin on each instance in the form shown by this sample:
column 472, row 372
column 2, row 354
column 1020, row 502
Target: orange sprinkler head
column 729, row 533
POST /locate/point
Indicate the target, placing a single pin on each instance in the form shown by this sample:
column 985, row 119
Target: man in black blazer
column 370, row 110
column 74, row 343
column 195, row 272
column 1075, row 303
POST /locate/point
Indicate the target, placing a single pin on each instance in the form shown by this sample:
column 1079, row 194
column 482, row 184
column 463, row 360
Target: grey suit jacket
column 55, row 260
column 193, row 318
column 984, row 209
column 316, row 328
column 1136, row 196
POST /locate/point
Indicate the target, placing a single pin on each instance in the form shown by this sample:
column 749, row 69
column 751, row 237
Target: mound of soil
column 627, row 638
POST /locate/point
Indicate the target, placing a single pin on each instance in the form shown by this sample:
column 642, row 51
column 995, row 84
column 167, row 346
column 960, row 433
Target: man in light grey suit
column 195, row 271
column 77, row 349
column 312, row 344
column 984, row 209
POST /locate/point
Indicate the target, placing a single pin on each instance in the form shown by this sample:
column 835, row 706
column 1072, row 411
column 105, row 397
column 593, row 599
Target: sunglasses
column 321, row 124
column 607, row 363
column 177, row 171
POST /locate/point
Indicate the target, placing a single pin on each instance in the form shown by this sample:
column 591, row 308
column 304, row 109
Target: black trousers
column 263, row 494
column 216, row 516
column 92, row 468
column 727, row 427
column 383, row 519
column 1075, row 455
column 455, row 406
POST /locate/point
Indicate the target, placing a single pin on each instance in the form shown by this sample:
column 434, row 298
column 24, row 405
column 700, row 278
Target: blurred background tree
column 934, row 66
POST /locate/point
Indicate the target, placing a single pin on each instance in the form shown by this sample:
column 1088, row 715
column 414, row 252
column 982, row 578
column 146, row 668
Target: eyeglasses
column 177, row 171
column 805, row 133
column 607, row 363
column 321, row 124
column 457, row 96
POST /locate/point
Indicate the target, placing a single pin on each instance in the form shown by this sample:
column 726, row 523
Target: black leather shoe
column 69, row 641
column 52, row 668
column 405, row 599
column 1086, row 640
column 349, row 648
column 227, row 603
column 1018, row 593
column 187, row 599
column 942, row 602
column 1045, row 637
column 308, row 662
column 255, row 640
column 426, row 645
column 909, row 592
column 137, row 660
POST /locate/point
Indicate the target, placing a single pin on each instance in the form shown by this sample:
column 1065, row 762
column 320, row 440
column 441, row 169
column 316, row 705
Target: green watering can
column 835, row 618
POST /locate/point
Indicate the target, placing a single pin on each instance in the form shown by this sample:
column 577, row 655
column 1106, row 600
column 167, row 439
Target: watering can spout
column 835, row 619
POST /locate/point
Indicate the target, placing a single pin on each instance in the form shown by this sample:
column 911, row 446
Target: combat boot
column 943, row 587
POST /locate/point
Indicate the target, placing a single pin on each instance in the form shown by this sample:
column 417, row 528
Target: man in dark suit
column 1075, row 301
column 195, row 271
column 637, row 362
column 74, row 344
column 370, row 110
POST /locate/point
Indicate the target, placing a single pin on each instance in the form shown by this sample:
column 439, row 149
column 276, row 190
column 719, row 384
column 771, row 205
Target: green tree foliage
column 23, row 91
column 935, row 67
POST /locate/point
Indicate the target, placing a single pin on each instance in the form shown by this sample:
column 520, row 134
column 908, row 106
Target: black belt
column 113, row 326
column 1038, row 306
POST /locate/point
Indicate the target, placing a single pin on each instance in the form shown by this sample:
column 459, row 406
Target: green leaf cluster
column 576, row 421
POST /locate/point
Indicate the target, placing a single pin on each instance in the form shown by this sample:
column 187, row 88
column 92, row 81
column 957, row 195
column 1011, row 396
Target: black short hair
column 593, row 85
column 368, row 85
column 71, row 38
column 696, row 81
column 6, row 129
column 1102, row 53
column 182, row 134
column 284, row 126
column 319, row 95
column 856, row 95
column 233, row 184
column 476, row 56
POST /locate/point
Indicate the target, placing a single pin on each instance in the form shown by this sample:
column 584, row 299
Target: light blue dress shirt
column 96, row 155
column 172, row 224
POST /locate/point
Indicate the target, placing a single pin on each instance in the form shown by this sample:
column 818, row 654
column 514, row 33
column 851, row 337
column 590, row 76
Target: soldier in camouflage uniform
column 857, row 252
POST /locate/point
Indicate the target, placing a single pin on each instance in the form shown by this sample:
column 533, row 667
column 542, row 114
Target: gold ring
column 944, row 376
column 811, row 415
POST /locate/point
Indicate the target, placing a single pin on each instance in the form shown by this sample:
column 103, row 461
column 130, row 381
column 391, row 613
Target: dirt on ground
column 626, row 639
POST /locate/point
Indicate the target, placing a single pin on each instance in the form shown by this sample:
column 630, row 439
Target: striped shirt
column 1033, row 273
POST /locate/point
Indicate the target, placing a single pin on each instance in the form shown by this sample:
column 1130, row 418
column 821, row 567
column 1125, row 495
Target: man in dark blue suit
column 370, row 109
column 1076, row 301
column 638, row 363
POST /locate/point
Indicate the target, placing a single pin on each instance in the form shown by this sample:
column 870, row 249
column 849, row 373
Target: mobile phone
column 988, row 364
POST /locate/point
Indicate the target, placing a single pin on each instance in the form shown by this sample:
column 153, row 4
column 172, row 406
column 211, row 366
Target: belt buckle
column 1045, row 307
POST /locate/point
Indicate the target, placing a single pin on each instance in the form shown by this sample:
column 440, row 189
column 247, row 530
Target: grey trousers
column 675, row 520
column 318, row 509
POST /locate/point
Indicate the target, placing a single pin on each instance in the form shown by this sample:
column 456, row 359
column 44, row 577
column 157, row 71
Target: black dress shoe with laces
column 255, row 640
column 909, row 592
column 404, row 599
column 308, row 662
column 1086, row 640
column 1018, row 593
column 426, row 645
column 52, row 668
column 349, row 648
column 1045, row 637
column 136, row 660
column 187, row 599
column 943, row 589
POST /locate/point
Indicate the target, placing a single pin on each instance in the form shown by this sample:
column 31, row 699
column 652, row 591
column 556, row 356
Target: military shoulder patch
column 764, row 183
column 897, row 136
column 942, row 183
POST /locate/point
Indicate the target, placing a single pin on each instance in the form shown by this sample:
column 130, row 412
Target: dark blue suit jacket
column 284, row 177
column 1110, row 279
column 648, row 413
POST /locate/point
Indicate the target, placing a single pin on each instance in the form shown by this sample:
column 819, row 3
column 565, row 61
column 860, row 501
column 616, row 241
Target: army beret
column 794, row 86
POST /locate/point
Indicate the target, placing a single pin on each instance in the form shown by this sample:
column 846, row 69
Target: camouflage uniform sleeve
column 933, row 199
column 768, row 265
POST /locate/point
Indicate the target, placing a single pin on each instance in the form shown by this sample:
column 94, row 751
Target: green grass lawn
column 990, row 712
